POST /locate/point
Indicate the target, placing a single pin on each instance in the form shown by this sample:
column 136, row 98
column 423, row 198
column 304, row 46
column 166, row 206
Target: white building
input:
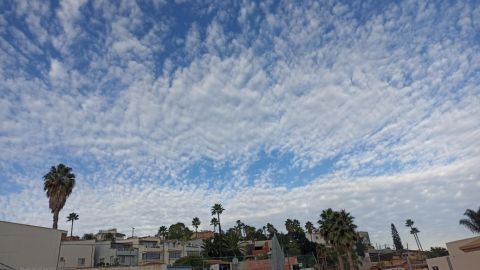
column 26, row 246
column 77, row 254
column 463, row 255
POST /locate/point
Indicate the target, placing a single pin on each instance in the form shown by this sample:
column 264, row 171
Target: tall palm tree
column 338, row 229
column 414, row 231
column 217, row 209
column 72, row 217
column 195, row 224
column 163, row 232
column 214, row 223
column 472, row 222
column 309, row 227
column 58, row 184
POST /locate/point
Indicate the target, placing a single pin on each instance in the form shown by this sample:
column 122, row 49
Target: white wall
column 24, row 246
column 72, row 251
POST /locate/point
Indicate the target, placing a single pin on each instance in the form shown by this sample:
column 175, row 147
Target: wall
column 440, row 262
column 463, row 260
column 104, row 251
column 25, row 246
column 72, row 251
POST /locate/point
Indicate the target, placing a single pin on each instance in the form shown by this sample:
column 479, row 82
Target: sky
column 275, row 109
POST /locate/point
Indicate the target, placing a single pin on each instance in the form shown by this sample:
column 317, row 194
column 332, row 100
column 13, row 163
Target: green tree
column 338, row 229
column 271, row 230
column 163, row 232
column 71, row 218
column 397, row 242
column 58, row 184
column 472, row 222
column 309, row 227
column 179, row 231
column 214, row 223
column 196, row 262
column 217, row 209
column 231, row 240
column 195, row 224
column 437, row 252
column 414, row 231
column 88, row 236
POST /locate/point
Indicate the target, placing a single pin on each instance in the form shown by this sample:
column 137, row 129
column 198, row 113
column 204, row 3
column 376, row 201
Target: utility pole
column 133, row 230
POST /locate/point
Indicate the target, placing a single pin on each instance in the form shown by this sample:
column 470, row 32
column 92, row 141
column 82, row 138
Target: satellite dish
column 235, row 260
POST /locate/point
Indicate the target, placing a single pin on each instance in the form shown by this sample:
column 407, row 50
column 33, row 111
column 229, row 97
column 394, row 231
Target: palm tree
column 163, row 232
column 309, row 227
column 72, row 217
column 217, row 209
column 338, row 229
column 195, row 224
column 214, row 223
column 58, row 184
column 414, row 231
column 472, row 222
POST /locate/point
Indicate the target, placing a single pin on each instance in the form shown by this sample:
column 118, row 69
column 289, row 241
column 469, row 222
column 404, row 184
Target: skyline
column 275, row 109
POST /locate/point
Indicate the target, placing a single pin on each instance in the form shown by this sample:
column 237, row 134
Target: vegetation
column 88, row 236
column 179, row 231
column 163, row 232
column 309, row 227
column 71, row 218
column 338, row 229
column 397, row 242
column 472, row 222
column 58, row 184
column 437, row 252
column 196, row 262
column 214, row 223
column 195, row 224
column 414, row 231
column 217, row 209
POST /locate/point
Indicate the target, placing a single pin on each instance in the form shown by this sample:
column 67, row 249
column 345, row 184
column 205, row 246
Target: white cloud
column 394, row 103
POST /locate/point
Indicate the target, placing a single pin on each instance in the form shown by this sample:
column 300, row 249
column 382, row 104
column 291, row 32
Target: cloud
column 295, row 108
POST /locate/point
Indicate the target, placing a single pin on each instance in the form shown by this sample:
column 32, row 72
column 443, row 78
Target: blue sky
column 276, row 109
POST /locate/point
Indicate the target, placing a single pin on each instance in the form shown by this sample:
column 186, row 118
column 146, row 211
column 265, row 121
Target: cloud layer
column 276, row 110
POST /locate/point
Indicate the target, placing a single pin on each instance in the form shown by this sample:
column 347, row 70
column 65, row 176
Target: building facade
column 26, row 246
column 77, row 254
column 463, row 255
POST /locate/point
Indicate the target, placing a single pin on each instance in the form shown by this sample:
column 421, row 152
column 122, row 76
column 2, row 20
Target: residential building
column 365, row 237
column 26, row 246
column 77, row 254
column 102, row 234
column 203, row 235
column 463, row 255
column 105, row 255
column 315, row 237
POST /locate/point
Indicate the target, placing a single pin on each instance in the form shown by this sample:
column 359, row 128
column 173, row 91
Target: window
column 174, row 254
column 435, row 268
column 81, row 261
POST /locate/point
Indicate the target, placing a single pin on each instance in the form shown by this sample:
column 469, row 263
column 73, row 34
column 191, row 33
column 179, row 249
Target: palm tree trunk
column 416, row 241
column 55, row 219
column 219, row 225
column 420, row 245
column 71, row 230
column 350, row 260
column 340, row 262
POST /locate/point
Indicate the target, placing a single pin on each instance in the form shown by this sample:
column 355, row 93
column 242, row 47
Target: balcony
column 126, row 252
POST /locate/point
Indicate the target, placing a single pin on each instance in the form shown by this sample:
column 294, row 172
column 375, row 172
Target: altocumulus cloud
column 276, row 110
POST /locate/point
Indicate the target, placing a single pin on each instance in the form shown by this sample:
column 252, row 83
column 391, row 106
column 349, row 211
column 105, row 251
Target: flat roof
column 35, row 226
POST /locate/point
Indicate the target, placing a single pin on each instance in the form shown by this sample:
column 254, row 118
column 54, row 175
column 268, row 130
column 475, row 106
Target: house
column 77, row 254
column 154, row 250
column 102, row 235
column 26, row 246
column 463, row 255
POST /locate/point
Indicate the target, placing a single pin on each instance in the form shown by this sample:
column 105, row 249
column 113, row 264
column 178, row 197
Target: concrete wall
column 25, row 246
column 463, row 260
column 72, row 251
column 104, row 253
column 441, row 263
